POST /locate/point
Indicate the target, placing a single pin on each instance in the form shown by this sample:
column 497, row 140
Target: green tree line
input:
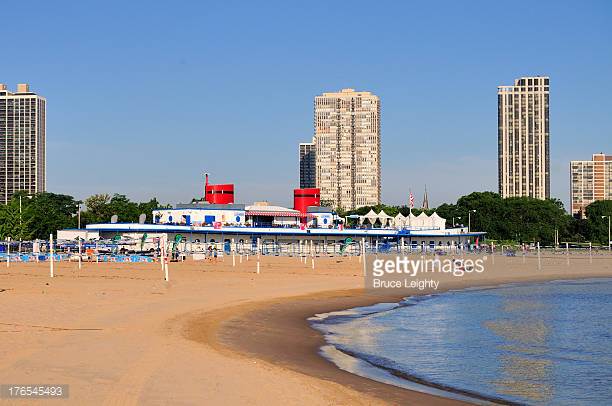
column 519, row 219
column 28, row 217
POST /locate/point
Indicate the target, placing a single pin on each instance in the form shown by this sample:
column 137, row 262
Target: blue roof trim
column 473, row 234
column 199, row 208
column 163, row 228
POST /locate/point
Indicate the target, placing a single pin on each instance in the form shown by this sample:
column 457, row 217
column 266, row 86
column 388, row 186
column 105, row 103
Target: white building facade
column 205, row 215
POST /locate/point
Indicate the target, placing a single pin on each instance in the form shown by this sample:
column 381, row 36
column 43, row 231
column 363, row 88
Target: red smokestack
column 302, row 198
column 218, row 194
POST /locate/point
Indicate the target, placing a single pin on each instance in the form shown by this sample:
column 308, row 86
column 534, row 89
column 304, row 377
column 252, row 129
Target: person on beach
column 215, row 254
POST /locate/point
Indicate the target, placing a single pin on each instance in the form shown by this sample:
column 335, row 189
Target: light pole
column 470, row 219
column 20, row 222
column 20, row 226
column 609, row 221
column 20, row 232
column 458, row 218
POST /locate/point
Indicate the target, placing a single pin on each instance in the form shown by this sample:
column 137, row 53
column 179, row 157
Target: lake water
column 540, row 344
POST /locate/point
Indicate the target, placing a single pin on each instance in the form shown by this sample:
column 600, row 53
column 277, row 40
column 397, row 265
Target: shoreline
column 278, row 332
column 119, row 334
column 285, row 338
column 405, row 379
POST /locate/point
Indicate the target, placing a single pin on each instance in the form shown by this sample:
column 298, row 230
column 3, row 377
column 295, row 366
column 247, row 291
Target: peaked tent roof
column 383, row 215
column 371, row 215
column 399, row 220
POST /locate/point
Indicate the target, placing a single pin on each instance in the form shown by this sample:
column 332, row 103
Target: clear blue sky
column 143, row 97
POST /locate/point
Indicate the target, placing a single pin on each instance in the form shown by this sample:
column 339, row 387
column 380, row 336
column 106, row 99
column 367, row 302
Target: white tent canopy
column 384, row 218
column 437, row 222
column 424, row 222
column 399, row 220
column 420, row 222
column 371, row 217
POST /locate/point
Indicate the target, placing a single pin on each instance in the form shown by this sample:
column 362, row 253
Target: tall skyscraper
column 590, row 181
column 347, row 142
column 22, row 142
column 308, row 172
column 523, row 138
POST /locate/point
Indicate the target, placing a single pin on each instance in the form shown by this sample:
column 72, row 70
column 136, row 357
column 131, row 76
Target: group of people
column 212, row 253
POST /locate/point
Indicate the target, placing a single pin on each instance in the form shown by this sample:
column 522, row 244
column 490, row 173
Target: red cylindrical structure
column 219, row 194
column 302, row 198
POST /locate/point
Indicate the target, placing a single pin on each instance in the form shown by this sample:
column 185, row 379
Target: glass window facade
column 524, row 138
column 22, row 144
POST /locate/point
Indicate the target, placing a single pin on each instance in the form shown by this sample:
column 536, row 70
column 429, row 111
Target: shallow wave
column 344, row 333
column 388, row 365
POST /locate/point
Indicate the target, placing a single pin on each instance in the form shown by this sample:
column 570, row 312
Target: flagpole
column 410, row 205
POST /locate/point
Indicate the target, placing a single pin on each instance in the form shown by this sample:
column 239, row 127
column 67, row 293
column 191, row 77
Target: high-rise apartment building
column 523, row 138
column 308, row 171
column 22, row 142
column 590, row 181
column 347, row 142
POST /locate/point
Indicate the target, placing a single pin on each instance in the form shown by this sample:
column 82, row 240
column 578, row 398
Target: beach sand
column 214, row 334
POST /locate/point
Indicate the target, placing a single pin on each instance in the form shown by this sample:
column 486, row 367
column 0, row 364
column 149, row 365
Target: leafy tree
column 521, row 219
column 10, row 220
column 101, row 207
column 45, row 213
column 148, row 207
column 126, row 210
column 97, row 210
column 596, row 226
column 529, row 220
column 28, row 217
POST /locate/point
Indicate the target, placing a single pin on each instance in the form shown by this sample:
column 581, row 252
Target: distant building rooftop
column 319, row 209
column 205, row 205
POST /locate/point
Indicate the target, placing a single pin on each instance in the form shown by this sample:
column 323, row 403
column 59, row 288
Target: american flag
column 411, row 200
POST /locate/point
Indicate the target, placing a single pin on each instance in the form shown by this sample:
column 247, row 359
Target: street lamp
column 79, row 216
column 470, row 219
column 458, row 218
column 609, row 245
column 20, row 222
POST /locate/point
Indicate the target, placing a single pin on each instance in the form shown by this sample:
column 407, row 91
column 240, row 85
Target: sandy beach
column 214, row 334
